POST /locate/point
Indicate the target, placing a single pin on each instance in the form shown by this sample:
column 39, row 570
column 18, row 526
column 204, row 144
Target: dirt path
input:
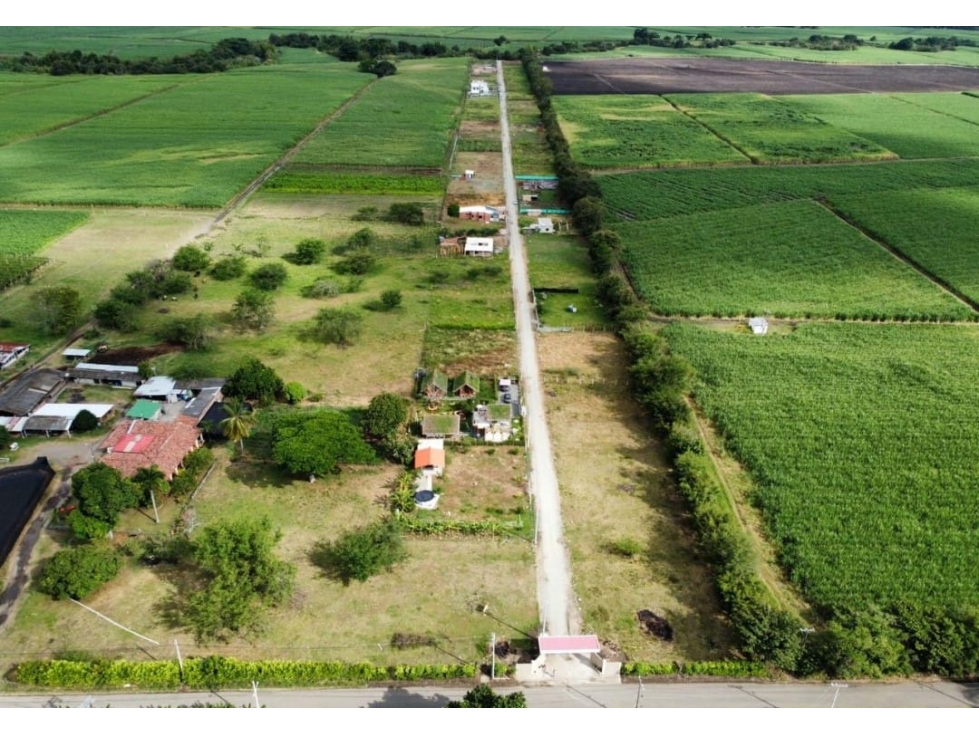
column 559, row 614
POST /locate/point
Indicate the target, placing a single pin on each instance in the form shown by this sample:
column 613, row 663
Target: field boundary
column 751, row 159
column 941, row 283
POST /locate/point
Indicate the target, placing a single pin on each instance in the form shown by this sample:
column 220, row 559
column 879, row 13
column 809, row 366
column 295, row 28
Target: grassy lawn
column 561, row 261
column 615, row 485
column 530, row 152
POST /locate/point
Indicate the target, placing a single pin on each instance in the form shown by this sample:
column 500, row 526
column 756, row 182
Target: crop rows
column 770, row 131
column 901, row 123
column 18, row 268
column 220, row 132
column 403, row 120
column 24, row 232
column 615, row 131
column 789, row 259
column 655, row 194
column 298, row 182
column 862, row 442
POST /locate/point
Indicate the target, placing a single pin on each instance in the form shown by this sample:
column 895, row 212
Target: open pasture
column 913, row 126
column 221, row 131
column 657, row 194
column 530, row 152
column 561, row 261
column 403, row 120
column 664, row 75
column 615, row 131
column 862, row 442
column 934, row 228
column 791, row 259
column 768, row 131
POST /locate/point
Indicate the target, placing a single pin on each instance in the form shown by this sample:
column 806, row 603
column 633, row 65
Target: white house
column 10, row 353
column 545, row 225
column 480, row 213
column 478, row 88
column 479, row 246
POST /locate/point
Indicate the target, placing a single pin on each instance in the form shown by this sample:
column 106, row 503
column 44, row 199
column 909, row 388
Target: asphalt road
column 559, row 614
column 659, row 695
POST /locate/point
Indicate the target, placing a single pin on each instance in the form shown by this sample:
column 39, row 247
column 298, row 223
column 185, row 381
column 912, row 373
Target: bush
column 410, row 213
column 295, row 392
column 322, row 288
column 269, row 277
column 626, row 547
column 192, row 332
column 191, row 259
column 337, row 326
column 254, row 380
column 229, row 268
column 84, row 422
column 360, row 554
column 307, row 252
column 358, row 262
column 391, row 299
column 79, row 572
column 453, row 210
column 116, row 314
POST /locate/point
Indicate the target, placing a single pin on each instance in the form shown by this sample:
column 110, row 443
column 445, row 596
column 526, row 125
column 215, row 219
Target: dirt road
column 559, row 614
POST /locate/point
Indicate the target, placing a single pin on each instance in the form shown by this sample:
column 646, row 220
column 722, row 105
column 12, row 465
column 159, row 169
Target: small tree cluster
column 337, row 326
column 483, row 697
column 253, row 310
column 269, row 277
column 77, row 573
column 307, row 252
column 360, row 554
column 256, row 381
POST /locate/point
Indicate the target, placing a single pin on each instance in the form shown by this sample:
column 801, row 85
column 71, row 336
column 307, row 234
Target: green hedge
column 220, row 672
column 459, row 527
column 719, row 668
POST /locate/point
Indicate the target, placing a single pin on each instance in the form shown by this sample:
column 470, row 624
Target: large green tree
column 317, row 442
column 253, row 309
column 239, row 577
column 362, row 553
column 254, row 380
column 79, row 572
column 191, row 258
column 57, row 309
column 386, row 413
column 102, row 492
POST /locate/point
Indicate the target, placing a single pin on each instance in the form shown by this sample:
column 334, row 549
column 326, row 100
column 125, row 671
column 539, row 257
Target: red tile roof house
column 133, row 445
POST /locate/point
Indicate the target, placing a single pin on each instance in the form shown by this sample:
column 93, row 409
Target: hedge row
column 220, row 672
column 459, row 527
column 719, row 668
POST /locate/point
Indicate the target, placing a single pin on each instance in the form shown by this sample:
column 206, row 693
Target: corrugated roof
column 429, row 457
column 141, row 444
column 107, row 367
column 145, row 410
column 71, row 410
column 76, row 353
column 156, row 386
column 28, row 391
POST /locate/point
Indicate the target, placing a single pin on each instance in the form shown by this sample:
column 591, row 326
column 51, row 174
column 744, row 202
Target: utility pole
column 180, row 660
column 837, row 686
column 493, row 652
column 157, row 514
column 255, row 694
column 639, row 692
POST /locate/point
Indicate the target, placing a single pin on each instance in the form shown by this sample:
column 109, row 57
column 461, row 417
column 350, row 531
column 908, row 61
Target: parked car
column 507, row 397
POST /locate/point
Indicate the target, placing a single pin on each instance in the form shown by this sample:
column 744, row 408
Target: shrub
column 385, row 414
column 337, row 326
column 191, row 258
column 360, row 554
column 84, row 422
column 626, row 547
column 358, row 262
column 229, row 268
column 391, row 299
column 79, row 572
column 254, row 380
column 322, row 288
column 307, row 252
column 295, row 392
column 453, row 210
column 269, row 277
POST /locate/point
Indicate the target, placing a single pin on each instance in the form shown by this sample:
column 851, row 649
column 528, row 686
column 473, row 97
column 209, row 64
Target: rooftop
column 134, row 445
column 28, row 391
column 158, row 386
column 441, row 424
column 145, row 410
column 429, row 457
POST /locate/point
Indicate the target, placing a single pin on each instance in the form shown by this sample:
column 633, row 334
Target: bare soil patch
column 616, row 485
column 664, row 75
column 132, row 355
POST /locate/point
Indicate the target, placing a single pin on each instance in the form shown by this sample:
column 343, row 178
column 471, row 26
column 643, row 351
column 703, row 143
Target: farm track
column 251, row 188
column 96, row 115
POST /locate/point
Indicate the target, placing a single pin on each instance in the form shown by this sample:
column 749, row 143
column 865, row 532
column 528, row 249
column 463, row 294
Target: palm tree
column 238, row 425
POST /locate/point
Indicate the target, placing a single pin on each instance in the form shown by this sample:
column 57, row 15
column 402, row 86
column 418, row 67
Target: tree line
column 228, row 53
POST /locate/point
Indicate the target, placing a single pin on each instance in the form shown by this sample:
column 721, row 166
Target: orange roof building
column 430, row 458
column 135, row 444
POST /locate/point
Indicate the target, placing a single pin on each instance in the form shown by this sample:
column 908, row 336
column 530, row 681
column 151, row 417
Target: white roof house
column 107, row 367
column 545, row 225
column 478, row 87
column 157, row 387
column 76, row 353
column 479, row 246
column 758, row 325
column 431, row 443
column 71, row 410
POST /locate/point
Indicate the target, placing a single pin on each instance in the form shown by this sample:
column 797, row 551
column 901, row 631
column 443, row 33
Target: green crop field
column 791, row 259
column 220, row 132
column 936, row 229
column 862, row 441
column 404, row 120
column 294, row 180
column 32, row 109
column 767, row 130
column 26, row 232
column 655, row 194
column 530, row 152
column 610, row 131
column 904, row 124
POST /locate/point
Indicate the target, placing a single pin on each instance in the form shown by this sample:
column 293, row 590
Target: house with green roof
column 465, row 385
column 435, row 385
column 146, row 410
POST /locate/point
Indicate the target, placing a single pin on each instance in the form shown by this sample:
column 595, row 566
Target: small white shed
column 758, row 325
column 479, row 246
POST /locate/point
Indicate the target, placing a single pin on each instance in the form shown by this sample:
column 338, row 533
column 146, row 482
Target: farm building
column 480, row 213
column 435, row 385
column 199, row 406
column 545, row 225
column 479, row 246
column 145, row 410
column 135, row 445
column 441, row 425
column 537, row 183
column 478, row 88
column 114, row 375
column 75, row 354
column 10, row 353
column 493, row 422
column 758, row 325
column 465, row 385
column 59, row 417
column 30, row 390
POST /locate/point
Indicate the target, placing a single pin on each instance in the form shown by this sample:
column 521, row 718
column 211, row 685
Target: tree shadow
column 255, row 473
column 402, row 698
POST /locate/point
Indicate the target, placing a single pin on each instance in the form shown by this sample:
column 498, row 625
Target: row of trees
column 226, row 54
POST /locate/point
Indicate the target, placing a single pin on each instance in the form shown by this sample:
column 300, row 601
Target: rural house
column 435, row 385
column 465, row 385
column 30, row 390
column 441, row 425
column 114, row 375
column 10, row 353
column 479, row 246
column 134, row 444
column 59, row 417
column 493, row 422
column 478, row 88
column 430, row 457
column 480, row 213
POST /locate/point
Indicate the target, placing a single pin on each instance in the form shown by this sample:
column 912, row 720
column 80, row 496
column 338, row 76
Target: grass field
column 656, row 194
column 404, row 120
column 936, row 229
column 791, row 259
column 769, row 131
column 904, row 124
column 221, row 132
column 618, row 131
column 530, row 152
column 860, row 440
column 561, row 261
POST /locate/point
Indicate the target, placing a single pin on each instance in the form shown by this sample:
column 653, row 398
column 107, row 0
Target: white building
column 758, row 325
column 479, row 246
column 545, row 225
column 478, row 88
